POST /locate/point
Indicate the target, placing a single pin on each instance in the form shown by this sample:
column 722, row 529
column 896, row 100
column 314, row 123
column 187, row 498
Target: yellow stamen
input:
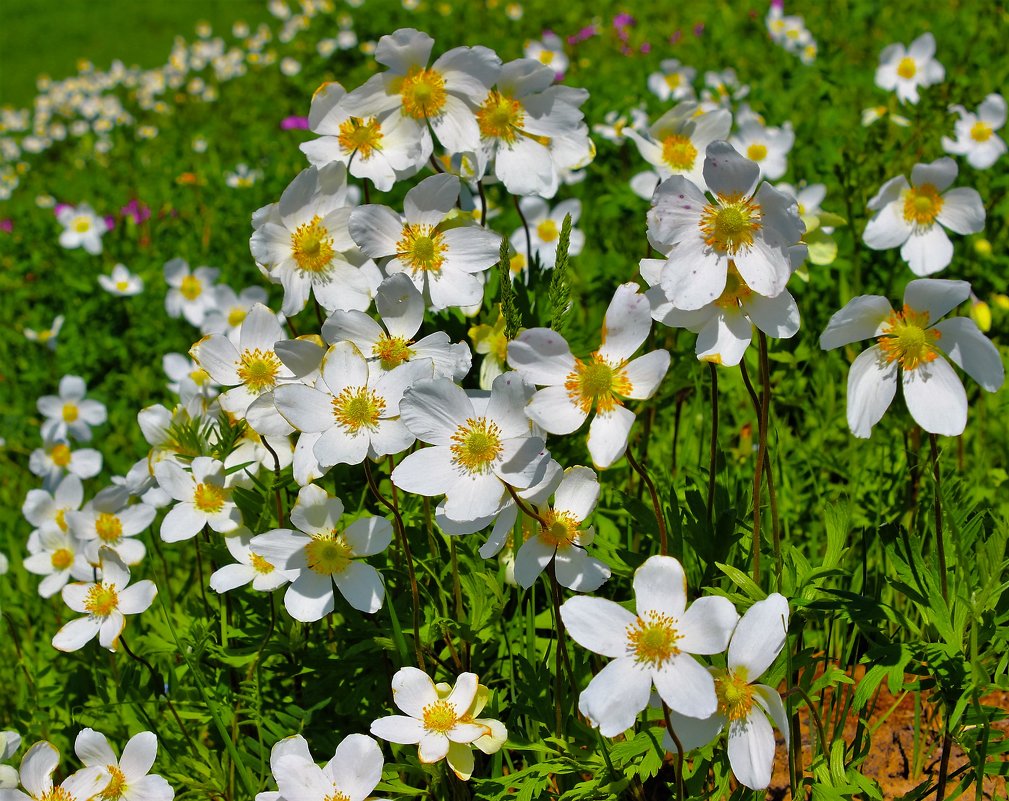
column 756, row 152
column 360, row 136
column 62, row 558
column 653, row 642
column 735, row 694
column 547, row 231
column 102, row 599
column 312, row 246
column 559, row 529
column 209, row 498
column 678, row 152
column 423, row 93
column 922, row 204
column 259, row 564
column 907, row 69
column 70, row 412
column 735, row 290
column 730, row 225
column 236, row 316
column 116, row 787
column 500, row 117
column 477, row 444
column 907, row 339
column 60, row 454
column 109, row 527
column 191, row 288
column 598, row 383
column 258, row 370
column 440, row 717
column 421, row 247
column 358, row 407
column 327, row 554
column 980, row 131
column 392, row 351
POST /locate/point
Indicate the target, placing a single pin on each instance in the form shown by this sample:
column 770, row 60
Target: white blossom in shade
column 380, row 148
column 440, row 255
column 121, row 282
column 352, row 774
column 443, row 95
column 354, row 407
column 912, row 348
column 309, row 247
column 108, row 521
column 105, row 604
column 743, row 705
column 548, row 51
column 203, row 499
column 82, row 228
column 129, row 776
column 70, row 413
column 673, row 81
column 48, row 510
column 48, row 336
column 768, row 147
column 322, row 553
column 475, row 451
column 976, row 136
column 56, row 458
column 10, row 742
column 289, row 746
column 36, row 776
column 249, row 567
column 756, row 231
column 253, row 453
column 252, row 370
column 230, row 309
column 532, row 130
column 562, row 536
column 190, row 292
column 915, row 216
column 545, row 229
column 58, row 556
column 676, row 142
column 186, row 377
column 724, row 327
column 905, row 69
column 574, row 387
column 390, row 343
column 490, row 340
column 652, row 646
column 433, row 721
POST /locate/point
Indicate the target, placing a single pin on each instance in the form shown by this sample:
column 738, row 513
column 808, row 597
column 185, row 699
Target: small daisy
column 56, row 458
column 673, row 82
column 48, row 335
column 121, row 282
column 46, row 510
column 545, row 229
column 58, row 556
column 905, row 69
column 82, row 228
column 71, row 413
column 768, row 147
column 549, row 51
column 203, row 499
column 37, row 768
column 190, row 293
column 976, row 136
column 129, row 777
column 229, row 310
column 242, row 177
column 249, row 567
column 107, row 521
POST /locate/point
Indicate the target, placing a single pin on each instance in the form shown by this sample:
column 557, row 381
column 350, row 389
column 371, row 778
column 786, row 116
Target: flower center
column 756, row 152
column 359, row 136
column 259, row 564
column 907, row 340
column 440, row 717
column 500, row 117
column 122, row 286
column 328, row 554
column 423, row 93
column 597, row 382
column 62, row 558
column 421, row 247
column 101, row 600
column 312, row 246
column 735, row 695
column 82, row 225
column 61, row 519
column 191, row 288
column 678, row 152
column 258, row 370
column 980, row 131
column 547, row 231
column 735, row 290
column 673, row 81
column 236, row 316
column 907, row 69
column 730, row 225
column 60, row 454
column 199, row 376
column 653, row 642
column 560, row 529
column 70, row 412
column 476, row 445
column 116, row 787
column 547, row 56
column 392, row 351
column 922, row 204
column 209, row 498
column 517, row 263
column 358, row 407
column 109, row 527
column 57, row 794
column 337, row 795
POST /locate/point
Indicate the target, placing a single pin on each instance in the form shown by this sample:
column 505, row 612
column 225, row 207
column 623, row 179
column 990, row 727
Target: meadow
column 499, row 401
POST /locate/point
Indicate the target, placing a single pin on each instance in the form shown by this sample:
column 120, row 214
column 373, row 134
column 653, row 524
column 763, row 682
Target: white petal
column 940, row 173
column 660, row 586
column 542, row 356
column 305, row 408
column 759, row 636
column 139, row 755
column 776, row 317
column 434, row 409
column 398, row 729
column 686, row 686
column 608, row 435
column 937, row 296
column 578, row 492
column 428, row 471
column 935, row 397
column 626, row 324
column 964, row 343
column 531, row 560
column 728, row 173
column 597, row 624
column 615, row 696
column 872, row 383
column 751, row 749
column 706, row 626
column 860, row 318
column 362, row 586
column 77, row 633
column 724, row 338
column 962, row 211
column 927, row 251
column 358, row 763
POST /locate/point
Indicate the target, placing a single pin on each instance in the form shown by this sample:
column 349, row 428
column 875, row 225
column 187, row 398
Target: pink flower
column 7, row 225
column 294, row 123
column 137, row 211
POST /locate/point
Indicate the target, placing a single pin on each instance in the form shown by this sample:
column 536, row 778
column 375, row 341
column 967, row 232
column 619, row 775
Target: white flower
column 129, row 777
column 70, row 413
column 242, row 177
column 37, row 767
column 187, row 378
column 250, row 567
column 229, row 310
column 295, row 745
column 721, row 89
column 549, row 51
column 913, row 341
column 10, row 742
column 82, row 228
column 49, row 511
column 352, row 774
column 574, row 387
column 615, row 125
column 203, row 499
column 121, row 282
column 190, row 293
column 673, row 82
column 905, row 69
column 47, row 336
column 975, row 133
column 57, row 555
column 322, row 552
column 767, row 146
column 915, row 215
column 545, row 229
column 108, row 521
column 56, row 457
column 652, row 646
column 105, row 603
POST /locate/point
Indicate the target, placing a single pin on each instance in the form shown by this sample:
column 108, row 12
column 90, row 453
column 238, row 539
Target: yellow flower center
column 258, row 370
column 547, row 56
column 500, row 117
column 312, row 246
column 259, row 564
column 653, row 642
column 328, row 554
column 907, row 68
column 980, row 131
column 101, row 600
column 735, row 290
column 423, row 93
column 199, row 376
column 673, row 81
column 735, row 694
column 598, row 383
column 358, row 407
column 678, row 152
column 62, row 558
column 60, row 454
column 122, row 286
column 191, row 288
column 421, row 247
column 337, row 796
column 729, row 226
column 61, row 518
column 517, row 263
column 70, row 412
column 440, row 717
column 922, row 204
column 236, row 316
column 82, row 225
column 57, row 793
column 392, row 351
column 359, row 136
column 476, row 445
column 116, row 787
column 756, row 152
column 209, row 498
column 109, row 527
column 547, row 231
column 559, row 529
column 907, row 339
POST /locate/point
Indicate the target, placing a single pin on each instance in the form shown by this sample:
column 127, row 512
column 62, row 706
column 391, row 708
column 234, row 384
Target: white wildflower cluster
column 790, row 32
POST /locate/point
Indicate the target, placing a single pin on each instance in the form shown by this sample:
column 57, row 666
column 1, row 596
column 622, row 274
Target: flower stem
column 713, row 456
column 933, row 442
column 681, row 793
column 660, row 517
column 525, row 226
column 276, row 481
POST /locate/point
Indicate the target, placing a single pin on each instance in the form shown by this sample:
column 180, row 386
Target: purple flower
column 135, row 210
column 623, row 20
column 7, row 225
column 698, row 29
column 110, row 222
column 677, row 35
column 294, row 124
column 58, row 208
column 778, row 4
column 646, row 47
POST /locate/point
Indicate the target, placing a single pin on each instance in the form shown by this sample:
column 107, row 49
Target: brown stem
column 526, row 510
column 713, row 455
column 680, row 789
column 660, row 517
column 933, row 442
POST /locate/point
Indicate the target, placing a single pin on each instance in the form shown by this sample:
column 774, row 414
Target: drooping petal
column 963, row 342
column 872, row 383
column 616, row 695
column 751, row 749
column 935, row 397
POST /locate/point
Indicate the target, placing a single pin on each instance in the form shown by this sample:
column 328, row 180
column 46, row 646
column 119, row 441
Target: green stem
column 660, row 517
column 681, row 793
column 713, row 456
